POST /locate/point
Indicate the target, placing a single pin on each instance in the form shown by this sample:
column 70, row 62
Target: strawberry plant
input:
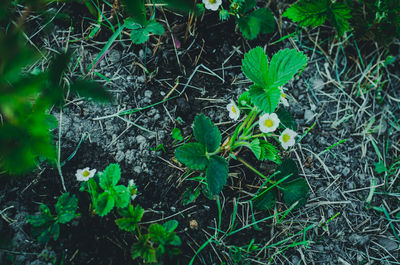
column 262, row 99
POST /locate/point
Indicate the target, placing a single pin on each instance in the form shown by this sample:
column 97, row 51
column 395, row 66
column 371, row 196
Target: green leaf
column 121, row 196
column 286, row 119
column 265, row 99
column 157, row 233
column 131, row 219
column 155, row 27
column 380, row 167
column 255, row 66
column 266, row 200
column 137, row 9
column 174, row 240
column 266, row 19
column 206, row 133
column 139, row 36
column 51, row 121
column 55, row 231
column 143, row 249
column 199, row 10
column 177, row 134
column 259, row 21
column 57, row 67
column 315, row 12
column 284, row 65
column 295, row 190
column 66, row 208
column 104, row 204
column 190, row 195
column 110, row 177
column 192, row 155
column 339, row 16
column 244, row 99
column 91, row 89
column 22, row 144
column 216, row 174
column 249, row 26
column 47, row 232
column 43, row 218
column 287, row 168
column 269, row 152
column 308, row 12
column 170, row 225
column 256, row 148
column 247, row 6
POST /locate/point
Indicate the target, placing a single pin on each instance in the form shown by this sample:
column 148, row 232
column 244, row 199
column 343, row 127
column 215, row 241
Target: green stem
column 214, row 153
column 252, row 168
column 242, row 126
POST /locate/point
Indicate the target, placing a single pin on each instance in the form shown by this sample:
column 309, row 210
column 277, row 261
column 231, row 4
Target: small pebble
column 193, row 225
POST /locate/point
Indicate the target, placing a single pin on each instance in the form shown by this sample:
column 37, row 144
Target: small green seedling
column 159, row 147
column 105, row 193
column 140, row 33
column 45, row 225
column 261, row 100
column 177, row 135
column 130, row 217
column 160, row 241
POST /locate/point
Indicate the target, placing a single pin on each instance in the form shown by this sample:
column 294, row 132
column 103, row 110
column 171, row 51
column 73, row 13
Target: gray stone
column 308, row 115
column 346, row 171
column 119, row 156
column 140, row 140
column 114, row 56
column 140, row 79
column 388, row 244
column 137, row 169
column 358, row 239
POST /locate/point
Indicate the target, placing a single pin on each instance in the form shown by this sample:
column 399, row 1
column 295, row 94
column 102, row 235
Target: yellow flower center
column 234, row 110
column 283, row 95
column 212, row 1
column 85, row 173
column 268, row 123
column 286, row 138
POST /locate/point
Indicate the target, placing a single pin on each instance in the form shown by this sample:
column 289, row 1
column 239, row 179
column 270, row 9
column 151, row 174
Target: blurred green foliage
column 26, row 96
column 375, row 19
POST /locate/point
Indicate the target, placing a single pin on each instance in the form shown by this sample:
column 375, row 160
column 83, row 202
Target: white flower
column 268, row 122
column 132, row 189
column 234, row 111
column 287, row 138
column 283, row 98
column 212, row 4
column 84, row 174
